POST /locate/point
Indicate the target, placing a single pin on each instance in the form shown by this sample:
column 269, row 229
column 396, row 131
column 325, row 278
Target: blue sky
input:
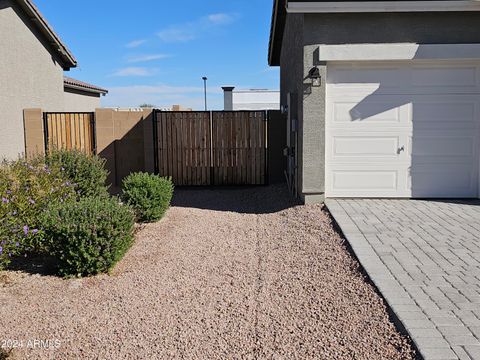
column 156, row 51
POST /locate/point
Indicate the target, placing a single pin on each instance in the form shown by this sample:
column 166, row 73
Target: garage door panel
column 379, row 147
column 367, row 112
column 366, row 146
column 419, row 78
column 363, row 111
column 427, row 111
column 418, row 138
column 453, row 148
column 367, row 180
column 440, row 76
column 444, row 112
column 451, row 180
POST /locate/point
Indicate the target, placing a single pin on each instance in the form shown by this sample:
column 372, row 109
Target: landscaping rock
column 228, row 273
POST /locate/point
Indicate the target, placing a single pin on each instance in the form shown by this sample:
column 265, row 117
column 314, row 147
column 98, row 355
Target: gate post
column 155, row 142
column 36, row 140
column 93, row 125
column 266, row 121
column 212, row 157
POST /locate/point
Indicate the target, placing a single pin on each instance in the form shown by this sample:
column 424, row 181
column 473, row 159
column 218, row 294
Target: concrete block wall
column 34, row 135
column 123, row 138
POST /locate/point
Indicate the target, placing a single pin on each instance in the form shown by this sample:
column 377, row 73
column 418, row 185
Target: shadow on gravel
column 5, row 354
column 35, row 265
column 245, row 200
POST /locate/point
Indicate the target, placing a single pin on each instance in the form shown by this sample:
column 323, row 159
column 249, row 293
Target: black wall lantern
column 314, row 75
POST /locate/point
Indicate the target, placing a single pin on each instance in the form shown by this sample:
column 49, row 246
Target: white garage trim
column 381, row 6
column 398, row 52
column 403, row 129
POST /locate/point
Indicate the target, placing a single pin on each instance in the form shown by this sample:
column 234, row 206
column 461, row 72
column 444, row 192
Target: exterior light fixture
column 314, row 75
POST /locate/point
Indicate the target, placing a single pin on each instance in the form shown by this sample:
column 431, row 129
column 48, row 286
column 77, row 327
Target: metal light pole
column 205, row 90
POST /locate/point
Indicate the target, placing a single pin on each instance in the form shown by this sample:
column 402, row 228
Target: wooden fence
column 183, row 147
column 69, row 131
column 239, row 147
column 212, row 148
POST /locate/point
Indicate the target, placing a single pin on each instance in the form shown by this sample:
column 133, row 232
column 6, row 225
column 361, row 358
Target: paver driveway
column 424, row 256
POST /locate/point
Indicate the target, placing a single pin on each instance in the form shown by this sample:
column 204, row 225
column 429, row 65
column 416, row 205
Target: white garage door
column 406, row 129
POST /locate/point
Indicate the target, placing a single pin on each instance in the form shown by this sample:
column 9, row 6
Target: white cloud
column 135, row 43
column 220, row 19
column 146, row 58
column 192, row 30
column 174, row 34
column 134, row 71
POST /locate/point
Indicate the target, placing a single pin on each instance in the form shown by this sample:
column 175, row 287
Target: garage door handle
column 401, row 149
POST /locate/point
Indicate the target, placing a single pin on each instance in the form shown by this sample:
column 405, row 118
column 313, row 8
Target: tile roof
column 80, row 85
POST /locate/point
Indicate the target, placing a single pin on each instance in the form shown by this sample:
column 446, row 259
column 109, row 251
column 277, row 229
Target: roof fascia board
column 85, row 89
column 273, row 31
column 381, row 6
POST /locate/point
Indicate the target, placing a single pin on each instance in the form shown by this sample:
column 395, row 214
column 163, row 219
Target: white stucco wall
column 78, row 102
column 29, row 78
column 256, row 100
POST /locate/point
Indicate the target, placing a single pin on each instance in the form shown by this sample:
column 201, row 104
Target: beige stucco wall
column 77, row 101
column 29, row 78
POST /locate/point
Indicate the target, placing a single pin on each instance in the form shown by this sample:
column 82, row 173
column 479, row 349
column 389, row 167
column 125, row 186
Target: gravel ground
column 228, row 273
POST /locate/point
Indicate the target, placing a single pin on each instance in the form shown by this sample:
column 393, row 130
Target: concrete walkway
column 424, row 257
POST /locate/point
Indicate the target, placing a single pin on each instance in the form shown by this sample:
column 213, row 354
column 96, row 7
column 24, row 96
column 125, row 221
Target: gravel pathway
column 227, row 274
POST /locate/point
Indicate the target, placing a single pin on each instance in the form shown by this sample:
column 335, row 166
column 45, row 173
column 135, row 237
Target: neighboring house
column 252, row 99
column 80, row 96
column 32, row 62
column 383, row 98
column 180, row 108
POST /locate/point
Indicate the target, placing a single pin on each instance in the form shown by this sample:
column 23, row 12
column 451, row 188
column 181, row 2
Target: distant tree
column 146, row 106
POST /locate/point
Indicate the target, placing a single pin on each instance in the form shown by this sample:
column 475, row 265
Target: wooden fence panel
column 239, row 147
column 212, row 148
column 70, row 131
column 183, row 147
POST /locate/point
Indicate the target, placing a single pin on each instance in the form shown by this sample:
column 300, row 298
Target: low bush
column 86, row 172
column 88, row 236
column 26, row 188
column 149, row 195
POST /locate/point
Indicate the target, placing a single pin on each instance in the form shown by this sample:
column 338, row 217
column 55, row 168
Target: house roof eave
column 71, row 83
column 276, row 32
column 67, row 59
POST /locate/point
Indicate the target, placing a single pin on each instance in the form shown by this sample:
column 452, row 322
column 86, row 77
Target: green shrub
column 149, row 195
column 86, row 172
column 89, row 236
column 26, row 189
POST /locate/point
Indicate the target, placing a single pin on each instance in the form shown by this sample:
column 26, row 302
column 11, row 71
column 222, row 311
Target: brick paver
column 424, row 257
